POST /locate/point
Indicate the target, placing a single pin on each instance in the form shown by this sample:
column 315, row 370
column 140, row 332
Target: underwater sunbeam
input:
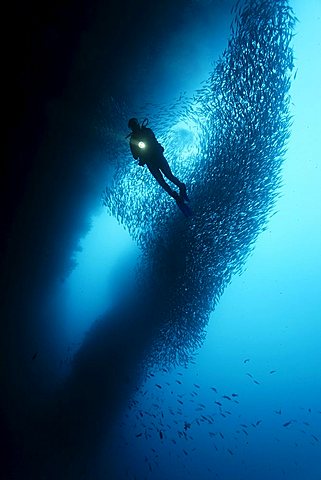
column 98, row 279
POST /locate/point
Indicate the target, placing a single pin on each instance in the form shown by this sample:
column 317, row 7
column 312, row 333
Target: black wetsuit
column 152, row 156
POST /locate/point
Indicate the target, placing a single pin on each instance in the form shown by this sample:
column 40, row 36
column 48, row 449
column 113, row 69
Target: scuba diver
column 145, row 147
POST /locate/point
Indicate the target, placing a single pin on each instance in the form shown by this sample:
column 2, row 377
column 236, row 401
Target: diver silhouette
column 145, row 147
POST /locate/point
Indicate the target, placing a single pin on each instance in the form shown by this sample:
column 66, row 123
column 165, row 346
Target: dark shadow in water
column 186, row 265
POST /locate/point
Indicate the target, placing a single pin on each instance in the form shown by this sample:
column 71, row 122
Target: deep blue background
column 62, row 59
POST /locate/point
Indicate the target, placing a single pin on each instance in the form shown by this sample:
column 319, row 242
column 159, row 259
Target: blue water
column 93, row 390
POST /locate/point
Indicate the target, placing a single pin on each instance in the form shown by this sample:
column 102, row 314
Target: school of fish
column 227, row 144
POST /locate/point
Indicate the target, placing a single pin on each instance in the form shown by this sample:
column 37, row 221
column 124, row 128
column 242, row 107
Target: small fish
column 178, row 381
column 34, row 355
column 214, row 389
column 195, row 385
column 258, row 422
column 272, row 371
column 286, row 424
column 157, row 385
column 161, row 436
column 246, row 360
column 187, row 425
column 234, row 395
column 278, row 412
column 257, row 383
column 227, row 397
column 185, row 451
column 315, row 437
column 230, row 451
column 139, row 434
column 249, row 375
column 221, row 434
column 218, row 403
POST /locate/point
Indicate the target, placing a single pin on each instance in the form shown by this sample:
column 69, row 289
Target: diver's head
column 133, row 124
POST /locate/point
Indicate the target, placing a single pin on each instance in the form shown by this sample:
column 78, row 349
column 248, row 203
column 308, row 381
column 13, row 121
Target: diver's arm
column 136, row 156
column 133, row 149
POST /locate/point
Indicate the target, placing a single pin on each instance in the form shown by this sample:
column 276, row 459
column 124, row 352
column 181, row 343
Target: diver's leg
column 160, row 179
column 165, row 168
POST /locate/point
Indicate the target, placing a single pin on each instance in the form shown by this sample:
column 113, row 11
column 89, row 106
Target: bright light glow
column 141, row 145
column 184, row 137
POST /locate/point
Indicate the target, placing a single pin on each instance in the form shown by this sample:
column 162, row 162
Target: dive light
column 141, row 145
